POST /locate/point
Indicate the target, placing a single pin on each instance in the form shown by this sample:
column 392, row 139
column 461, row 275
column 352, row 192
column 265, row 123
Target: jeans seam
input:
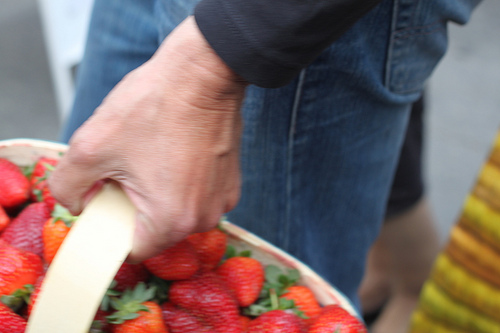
column 289, row 166
column 388, row 69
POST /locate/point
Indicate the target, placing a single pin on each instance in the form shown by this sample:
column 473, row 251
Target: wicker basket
column 25, row 152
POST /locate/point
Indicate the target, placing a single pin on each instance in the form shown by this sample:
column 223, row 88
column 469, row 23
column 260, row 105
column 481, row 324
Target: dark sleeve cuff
column 229, row 42
column 268, row 42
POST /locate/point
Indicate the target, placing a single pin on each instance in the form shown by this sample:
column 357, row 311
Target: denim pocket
column 419, row 40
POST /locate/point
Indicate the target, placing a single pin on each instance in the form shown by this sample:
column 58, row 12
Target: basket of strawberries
column 224, row 280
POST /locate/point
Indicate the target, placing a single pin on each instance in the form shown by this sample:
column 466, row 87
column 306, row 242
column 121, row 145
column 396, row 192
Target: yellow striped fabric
column 462, row 294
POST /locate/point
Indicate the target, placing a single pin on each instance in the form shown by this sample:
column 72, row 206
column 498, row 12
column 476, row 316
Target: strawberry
column 149, row 319
column 25, row 231
column 135, row 313
column 4, row 219
column 11, row 322
column 34, row 294
column 19, row 298
column 334, row 318
column 210, row 246
column 277, row 321
column 275, row 285
column 3, row 243
column 244, row 277
column 244, row 321
column 129, row 275
column 39, row 188
column 100, row 323
column 205, row 296
column 17, row 269
column 55, row 230
column 14, row 186
column 180, row 320
column 178, row 262
column 304, row 300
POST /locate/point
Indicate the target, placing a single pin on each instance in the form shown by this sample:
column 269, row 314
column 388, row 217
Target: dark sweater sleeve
column 267, row 42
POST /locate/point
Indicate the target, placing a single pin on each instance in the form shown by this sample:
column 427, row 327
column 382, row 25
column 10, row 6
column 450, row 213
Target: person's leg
column 318, row 155
column 122, row 36
column 413, row 244
column 406, row 191
column 401, row 259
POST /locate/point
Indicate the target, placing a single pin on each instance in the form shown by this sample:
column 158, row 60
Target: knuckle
column 83, row 152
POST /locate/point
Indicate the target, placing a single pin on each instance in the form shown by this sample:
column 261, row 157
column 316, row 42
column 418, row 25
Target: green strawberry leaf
column 255, row 310
column 161, row 289
column 18, row 298
column 110, row 294
column 62, row 214
column 131, row 303
column 276, row 283
column 28, row 170
column 272, row 274
column 230, row 252
column 246, row 253
column 38, row 194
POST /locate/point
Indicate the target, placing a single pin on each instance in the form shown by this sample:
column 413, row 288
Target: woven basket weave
column 463, row 292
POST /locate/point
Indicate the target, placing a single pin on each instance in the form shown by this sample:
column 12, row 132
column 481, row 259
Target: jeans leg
column 318, row 155
column 122, row 36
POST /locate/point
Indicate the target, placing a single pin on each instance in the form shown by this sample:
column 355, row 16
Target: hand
column 169, row 134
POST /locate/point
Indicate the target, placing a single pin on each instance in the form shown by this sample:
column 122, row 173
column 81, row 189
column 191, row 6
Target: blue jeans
column 317, row 155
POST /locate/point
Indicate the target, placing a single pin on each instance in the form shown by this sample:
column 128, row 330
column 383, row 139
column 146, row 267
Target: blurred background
column 40, row 43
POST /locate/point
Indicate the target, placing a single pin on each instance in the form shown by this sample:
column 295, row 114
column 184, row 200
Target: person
column 401, row 259
column 324, row 90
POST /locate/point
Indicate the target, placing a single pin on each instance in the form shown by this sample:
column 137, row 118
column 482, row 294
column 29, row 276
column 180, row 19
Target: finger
column 150, row 241
column 74, row 177
column 96, row 187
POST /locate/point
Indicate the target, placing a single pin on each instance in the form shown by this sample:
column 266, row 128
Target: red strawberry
column 3, row 243
column 180, row 320
column 55, row 230
column 129, row 275
column 39, row 188
column 100, row 323
column 244, row 277
column 277, row 321
column 178, row 262
column 18, row 268
column 4, row 219
column 135, row 313
column 206, row 297
column 14, row 186
column 305, row 301
column 34, row 294
column 42, row 169
column 25, row 231
column 245, row 322
column 149, row 320
column 333, row 318
column 210, row 246
column 11, row 322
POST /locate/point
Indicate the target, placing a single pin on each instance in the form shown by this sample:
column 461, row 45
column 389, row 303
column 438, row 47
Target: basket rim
column 231, row 228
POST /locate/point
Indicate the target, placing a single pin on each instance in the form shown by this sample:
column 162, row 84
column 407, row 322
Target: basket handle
column 85, row 264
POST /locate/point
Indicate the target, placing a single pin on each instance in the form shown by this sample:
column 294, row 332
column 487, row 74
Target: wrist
column 195, row 57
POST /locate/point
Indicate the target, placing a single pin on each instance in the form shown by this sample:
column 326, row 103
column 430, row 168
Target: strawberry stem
column 62, row 214
column 275, row 304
